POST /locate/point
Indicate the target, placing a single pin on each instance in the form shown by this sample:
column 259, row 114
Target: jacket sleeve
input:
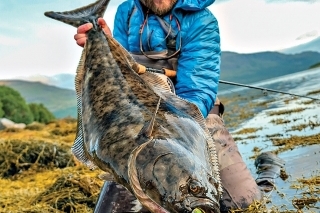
column 120, row 29
column 198, row 68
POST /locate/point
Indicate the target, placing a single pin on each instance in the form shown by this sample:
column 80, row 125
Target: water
column 298, row 83
column 303, row 161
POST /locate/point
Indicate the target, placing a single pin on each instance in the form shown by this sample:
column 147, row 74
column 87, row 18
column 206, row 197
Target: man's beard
column 159, row 10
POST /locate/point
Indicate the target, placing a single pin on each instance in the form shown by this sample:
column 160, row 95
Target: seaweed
column 17, row 156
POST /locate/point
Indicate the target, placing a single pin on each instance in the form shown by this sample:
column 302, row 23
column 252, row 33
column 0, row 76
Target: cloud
column 32, row 44
column 54, row 52
column 261, row 26
column 278, row 1
column 308, row 35
column 9, row 41
column 218, row 1
column 42, row 46
column 286, row 1
column 6, row 26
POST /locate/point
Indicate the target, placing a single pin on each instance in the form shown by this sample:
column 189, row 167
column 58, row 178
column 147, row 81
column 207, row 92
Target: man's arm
column 198, row 69
column 120, row 30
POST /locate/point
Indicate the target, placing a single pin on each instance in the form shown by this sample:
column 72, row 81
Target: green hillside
column 255, row 67
column 61, row 102
column 315, row 65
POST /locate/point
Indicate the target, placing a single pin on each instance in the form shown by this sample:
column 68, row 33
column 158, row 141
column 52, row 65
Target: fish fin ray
column 158, row 82
column 78, row 148
column 148, row 129
column 80, row 73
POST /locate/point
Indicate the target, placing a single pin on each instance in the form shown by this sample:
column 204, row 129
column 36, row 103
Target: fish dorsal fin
column 78, row 148
column 87, row 14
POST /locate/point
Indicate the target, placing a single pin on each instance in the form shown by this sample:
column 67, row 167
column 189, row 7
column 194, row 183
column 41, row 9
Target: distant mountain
column 313, row 45
column 61, row 102
column 255, row 67
column 63, row 80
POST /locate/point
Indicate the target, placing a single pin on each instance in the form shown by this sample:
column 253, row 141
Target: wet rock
column 6, row 124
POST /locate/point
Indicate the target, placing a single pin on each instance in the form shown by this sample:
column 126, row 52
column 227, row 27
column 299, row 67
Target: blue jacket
column 198, row 68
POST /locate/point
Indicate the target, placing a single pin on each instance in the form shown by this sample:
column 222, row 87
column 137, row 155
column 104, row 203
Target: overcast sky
column 32, row 44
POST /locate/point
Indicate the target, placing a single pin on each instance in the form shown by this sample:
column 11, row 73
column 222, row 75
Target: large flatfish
column 132, row 126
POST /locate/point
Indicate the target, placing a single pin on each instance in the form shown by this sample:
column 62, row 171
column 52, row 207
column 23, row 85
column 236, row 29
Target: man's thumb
column 104, row 26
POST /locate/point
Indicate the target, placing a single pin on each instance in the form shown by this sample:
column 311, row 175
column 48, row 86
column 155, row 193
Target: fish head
column 177, row 179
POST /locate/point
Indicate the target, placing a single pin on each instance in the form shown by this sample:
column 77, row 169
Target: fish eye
column 195, row 187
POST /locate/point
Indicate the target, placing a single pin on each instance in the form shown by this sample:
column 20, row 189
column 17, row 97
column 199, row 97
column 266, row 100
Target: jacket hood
column 193, row 5
column 190, row 5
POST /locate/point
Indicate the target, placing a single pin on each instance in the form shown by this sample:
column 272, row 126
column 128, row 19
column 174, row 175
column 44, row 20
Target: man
column 182, row 35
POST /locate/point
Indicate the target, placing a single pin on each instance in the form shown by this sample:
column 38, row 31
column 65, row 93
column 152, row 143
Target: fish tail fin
column 80, row 16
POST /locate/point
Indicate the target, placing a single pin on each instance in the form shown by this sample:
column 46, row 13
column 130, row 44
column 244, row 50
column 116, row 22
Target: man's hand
column 81, row 36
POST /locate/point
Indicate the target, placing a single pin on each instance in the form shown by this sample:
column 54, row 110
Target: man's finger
column 79, row 36
column 84, row 28
column 81, row 42
column 104, row 26
column 80, row 39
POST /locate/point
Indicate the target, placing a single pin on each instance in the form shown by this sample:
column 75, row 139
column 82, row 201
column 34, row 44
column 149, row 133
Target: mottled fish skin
column 120, row 111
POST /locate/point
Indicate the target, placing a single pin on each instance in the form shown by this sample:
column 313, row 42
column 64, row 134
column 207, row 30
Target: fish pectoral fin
column 148, row 128
column 163, row 86
column 158, row 82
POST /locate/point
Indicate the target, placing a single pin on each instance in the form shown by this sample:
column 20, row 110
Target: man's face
column 159, row 7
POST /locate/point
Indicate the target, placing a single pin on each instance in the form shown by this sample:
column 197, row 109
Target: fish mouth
column 204, row 205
